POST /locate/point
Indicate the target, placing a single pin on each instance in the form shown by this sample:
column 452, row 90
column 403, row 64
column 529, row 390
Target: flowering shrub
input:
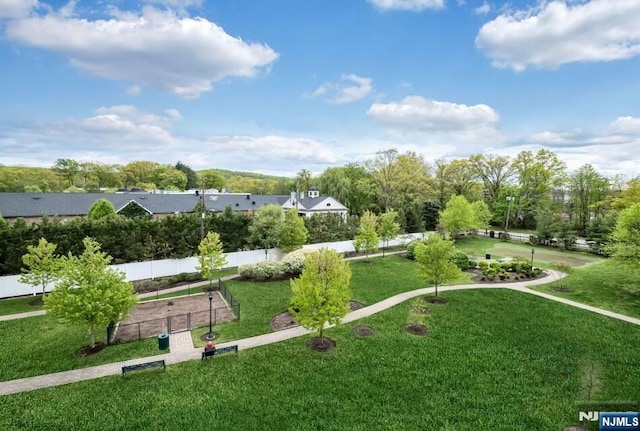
column 293, row 263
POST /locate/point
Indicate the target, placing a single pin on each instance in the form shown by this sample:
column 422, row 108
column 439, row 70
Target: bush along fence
column 136, row 331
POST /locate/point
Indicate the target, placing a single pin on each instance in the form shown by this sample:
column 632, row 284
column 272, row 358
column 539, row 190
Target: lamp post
column 210, row 334
column 532, row 251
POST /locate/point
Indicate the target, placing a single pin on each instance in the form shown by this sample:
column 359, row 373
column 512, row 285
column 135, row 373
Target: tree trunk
column 436, row 289
column 92, row 332
column 321, row 329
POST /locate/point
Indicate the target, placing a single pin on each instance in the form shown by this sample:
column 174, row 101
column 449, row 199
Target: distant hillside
column 226, row 174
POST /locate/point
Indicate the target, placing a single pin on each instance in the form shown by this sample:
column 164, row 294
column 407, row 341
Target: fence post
column 139, row 338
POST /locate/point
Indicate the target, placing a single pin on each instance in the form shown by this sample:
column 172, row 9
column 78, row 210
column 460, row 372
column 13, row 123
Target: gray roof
column 14, row 205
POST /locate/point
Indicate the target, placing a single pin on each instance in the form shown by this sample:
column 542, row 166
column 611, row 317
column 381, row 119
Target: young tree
column 321, row 294
column 294, row 233
column 626, row 236
column 457, row 216
column 481, row 214
column 42, row 265
column 89, row 293
column 435, row 260
column 100, row 209
column 367, row 239
column 388, row 227
column 211, row 257
column 266, row 227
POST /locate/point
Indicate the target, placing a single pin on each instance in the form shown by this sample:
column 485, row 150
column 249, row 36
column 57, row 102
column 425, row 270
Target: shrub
column 490, row 273
column 507, row 266
column 293, row 263
column 473, row 263
column 483, row 264
column 495, row 265
column 461, row 260
column 268, row 269
column 246, row 270
column 410, row 254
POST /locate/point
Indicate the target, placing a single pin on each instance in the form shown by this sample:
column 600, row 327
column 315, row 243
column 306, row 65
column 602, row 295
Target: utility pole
column 202, row 209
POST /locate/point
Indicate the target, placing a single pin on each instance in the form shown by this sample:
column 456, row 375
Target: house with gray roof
column 32, row 206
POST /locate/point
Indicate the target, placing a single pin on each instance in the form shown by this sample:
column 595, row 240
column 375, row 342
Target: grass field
column 606, row 285
column 18, row 305
column 542, row 256
column 261, row 301
column 494, row 360
column 40, row 345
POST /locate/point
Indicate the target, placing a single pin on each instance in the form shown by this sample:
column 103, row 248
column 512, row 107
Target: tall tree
column 89, row 293
column 441, row 183
column 626, row 236
column 367, row 240
column 212, row 180
column 266, row 227
column 435, row 260
column 211, row 258
column 494, row 172
column 384, row 172
column 321, row 294
column 68, row 169
column 481, row 214
column 388, row 228
column 166, row 177
column 192, row 177
column 629, row 195
column 294, row 233
column 41, row 265
column 458, row 216
column 589, row 190
column 138, row 172
column 304, row 180
column 101, row 208
column 463, row 180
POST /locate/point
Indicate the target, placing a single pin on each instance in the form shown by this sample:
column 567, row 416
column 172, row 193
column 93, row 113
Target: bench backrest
column 229, row 349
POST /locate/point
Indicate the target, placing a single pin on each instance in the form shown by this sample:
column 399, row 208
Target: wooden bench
column 209, row 353
column 144, row 366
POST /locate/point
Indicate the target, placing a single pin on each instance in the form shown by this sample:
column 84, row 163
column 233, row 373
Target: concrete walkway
column 181, row 352
column 22, row 315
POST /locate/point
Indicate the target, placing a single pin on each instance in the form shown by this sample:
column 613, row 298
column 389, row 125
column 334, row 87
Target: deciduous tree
column 89, row 293
column 435, row 260
column 367, row 240
column 266, row 227
column 294, row 233
column 458, row 216
column 41, row 265
column 388, row 228
column 626, row 236
column 210, row 258
column 102, row 208
column 321, row 294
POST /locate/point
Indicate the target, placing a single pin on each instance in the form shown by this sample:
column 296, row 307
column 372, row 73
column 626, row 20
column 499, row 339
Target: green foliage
column 626, row 236
column 134, row 210
column 293, row 263
column 461, row 260
column 458, row 216
column 321, row 294
column 262, row 270
column 294, row 234
column 388, row 227
column 211, row 258
column 430, row 216
column 546, row 227
column 212, row 180
column 330, row 227
column 266, row 228
column 434, row 258
column 102, row 208
column 41, row 265
column 192, row 177
column 481, row 215
column 88, row 292
column 367, row 240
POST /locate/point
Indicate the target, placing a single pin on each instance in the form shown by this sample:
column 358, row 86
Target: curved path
column 66, row 377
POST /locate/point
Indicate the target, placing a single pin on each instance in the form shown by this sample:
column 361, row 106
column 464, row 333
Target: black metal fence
column 137, row 331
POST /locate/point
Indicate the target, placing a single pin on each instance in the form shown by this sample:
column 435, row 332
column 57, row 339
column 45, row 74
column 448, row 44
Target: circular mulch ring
column 203, row 337
column 285, row 320
column 435, row 300
column 562, row 289
column 85, row 351
column 416, row 329
column 363, row 330
column 323, row 344
column 36, row 302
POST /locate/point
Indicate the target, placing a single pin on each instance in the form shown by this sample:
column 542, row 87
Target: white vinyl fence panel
column 10, row 286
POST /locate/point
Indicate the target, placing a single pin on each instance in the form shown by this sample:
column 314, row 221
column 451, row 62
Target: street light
column 532, row 251
column 210, row 334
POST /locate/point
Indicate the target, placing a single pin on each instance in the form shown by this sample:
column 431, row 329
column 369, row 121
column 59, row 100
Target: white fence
column 10, row 286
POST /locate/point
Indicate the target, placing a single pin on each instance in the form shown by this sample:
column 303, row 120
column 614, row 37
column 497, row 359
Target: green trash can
column 486, row 256
column 163, row 341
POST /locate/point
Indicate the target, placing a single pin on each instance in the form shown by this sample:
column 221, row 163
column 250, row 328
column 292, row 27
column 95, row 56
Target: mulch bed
column 160, row 287
column 203, row 337
column 416, row 329
column 285, row 320
column 363, row 330
column 323, row 344
column 434, row 299
column 85, row 351
column 477, row 277
column 36, row 302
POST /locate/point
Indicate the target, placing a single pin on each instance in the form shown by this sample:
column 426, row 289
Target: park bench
column 144, row 366
column 209, row 353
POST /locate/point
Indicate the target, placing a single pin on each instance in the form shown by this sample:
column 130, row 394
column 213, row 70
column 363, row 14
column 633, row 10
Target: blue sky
column 279, row 85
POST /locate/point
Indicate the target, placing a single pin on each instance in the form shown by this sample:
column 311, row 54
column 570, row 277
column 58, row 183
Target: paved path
column 22, row 315
column 180, row 342
column 182, row 353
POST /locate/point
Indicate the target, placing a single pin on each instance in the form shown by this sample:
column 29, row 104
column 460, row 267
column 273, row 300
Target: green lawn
column 371, row 282
column 606, row 285
column 40, row 345
column 18, row 305
column 494, row 360
column 542, row 256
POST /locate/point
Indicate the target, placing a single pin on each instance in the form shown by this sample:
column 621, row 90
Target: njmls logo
column 588, row 416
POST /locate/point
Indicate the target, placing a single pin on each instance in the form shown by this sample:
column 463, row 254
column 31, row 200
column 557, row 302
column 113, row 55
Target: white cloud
column 418, row 113
column 181, row 55
column 349, row 89
column 16, row 8
column 410, row 5
column 555, row 33
column 626, row 126
column 134, row 90
column 484, row 9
